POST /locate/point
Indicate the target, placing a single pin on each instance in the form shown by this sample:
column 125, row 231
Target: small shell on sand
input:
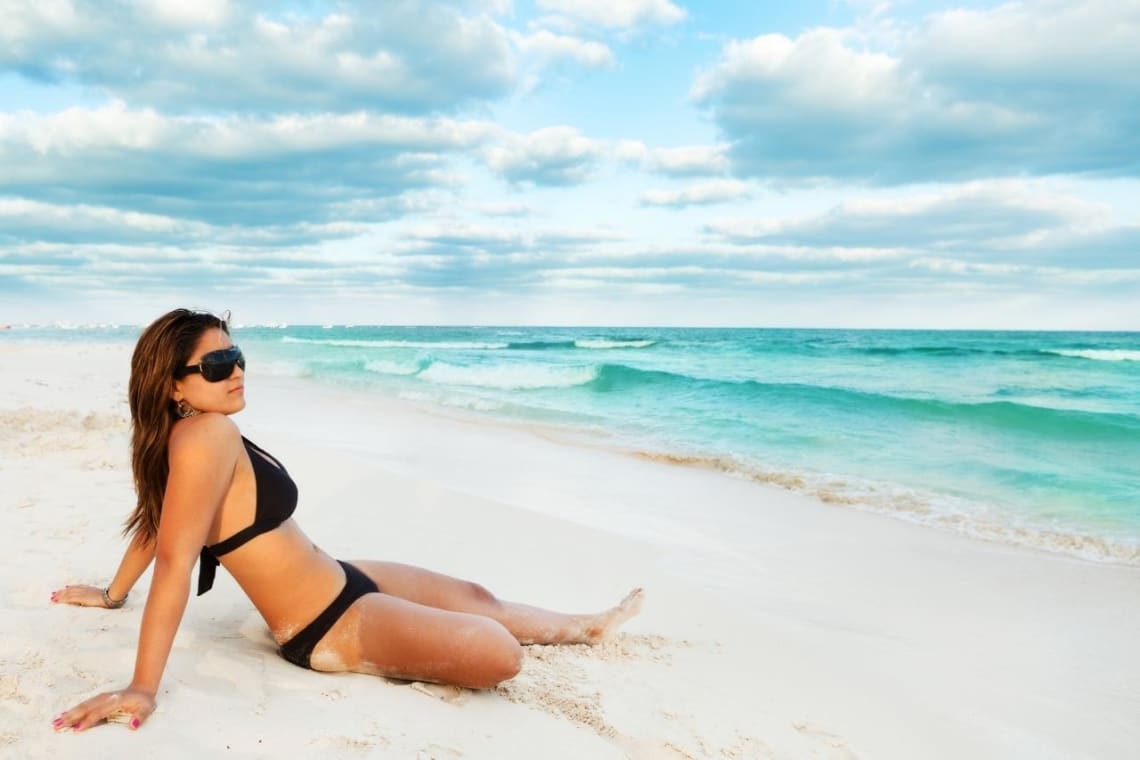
column 119, row 716
column 453, row 695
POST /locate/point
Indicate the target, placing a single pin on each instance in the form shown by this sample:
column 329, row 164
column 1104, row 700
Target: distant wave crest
column 384, row 367
column 602, row 344
column 1098, row 354
column 509, row 376
column 591, row 344
column 361, row 343
column 540, row 345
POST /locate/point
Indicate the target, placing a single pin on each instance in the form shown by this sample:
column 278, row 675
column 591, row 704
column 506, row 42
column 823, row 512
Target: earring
column 185, row 410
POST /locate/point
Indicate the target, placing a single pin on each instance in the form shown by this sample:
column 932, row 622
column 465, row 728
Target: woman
column 206, row 492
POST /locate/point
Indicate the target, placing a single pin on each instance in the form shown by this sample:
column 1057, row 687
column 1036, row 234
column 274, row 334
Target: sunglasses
column 214, row 366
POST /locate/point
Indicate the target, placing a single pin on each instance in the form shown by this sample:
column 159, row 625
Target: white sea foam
column 1099, row 354
column 384, row 367
column 475, row 404
column 358, row 343
column 509, row 376
column 603, row 344
column 460, row 402
column 940, row 510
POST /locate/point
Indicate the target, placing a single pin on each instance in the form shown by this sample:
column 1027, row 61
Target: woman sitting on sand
column 204, row 490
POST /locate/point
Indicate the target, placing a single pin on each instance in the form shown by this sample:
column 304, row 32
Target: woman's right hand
column 80, row 595
column 130, row 706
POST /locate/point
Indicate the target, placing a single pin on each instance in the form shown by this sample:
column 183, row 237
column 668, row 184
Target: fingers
column 138, row 713
column 83, row 596
column 89, row 713
column 126, row 706
column 139, row 717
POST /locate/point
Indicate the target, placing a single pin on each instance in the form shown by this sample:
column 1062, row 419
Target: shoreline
column 1068, row 534
column 775, row 625
column 833, row 491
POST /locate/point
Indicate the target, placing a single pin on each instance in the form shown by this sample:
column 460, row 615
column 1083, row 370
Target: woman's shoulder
column 208, row 431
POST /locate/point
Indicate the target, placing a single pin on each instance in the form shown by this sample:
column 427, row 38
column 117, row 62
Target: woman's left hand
column 130, row 706
column 80, row 595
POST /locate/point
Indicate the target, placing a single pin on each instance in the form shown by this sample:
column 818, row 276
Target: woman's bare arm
column 203, row 455
column 202, row 463
column 136, row 559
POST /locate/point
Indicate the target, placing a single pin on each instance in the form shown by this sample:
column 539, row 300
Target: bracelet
column 113, row 604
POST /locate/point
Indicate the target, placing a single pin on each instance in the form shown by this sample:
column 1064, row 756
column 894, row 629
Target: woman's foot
column 606, row 624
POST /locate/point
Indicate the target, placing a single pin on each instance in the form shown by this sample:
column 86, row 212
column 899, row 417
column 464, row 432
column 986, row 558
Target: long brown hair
column 166, row 344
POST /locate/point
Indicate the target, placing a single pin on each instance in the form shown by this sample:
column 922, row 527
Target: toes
column 632, row 601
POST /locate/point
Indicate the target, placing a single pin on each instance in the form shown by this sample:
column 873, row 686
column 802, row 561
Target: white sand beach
column 774, row 626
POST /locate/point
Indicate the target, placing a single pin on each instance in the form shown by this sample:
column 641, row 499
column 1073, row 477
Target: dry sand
column 775, row 626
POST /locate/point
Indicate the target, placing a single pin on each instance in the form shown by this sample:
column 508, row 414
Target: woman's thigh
column 385, row 635
column 416, row 584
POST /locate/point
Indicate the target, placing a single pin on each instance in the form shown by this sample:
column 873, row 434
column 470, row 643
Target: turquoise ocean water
column 1020, row 436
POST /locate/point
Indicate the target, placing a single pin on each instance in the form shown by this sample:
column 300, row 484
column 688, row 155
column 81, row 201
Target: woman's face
column 226, row 396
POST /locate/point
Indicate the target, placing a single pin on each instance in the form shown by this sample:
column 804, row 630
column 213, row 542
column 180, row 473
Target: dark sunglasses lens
column 219, row 365
column 215, row 373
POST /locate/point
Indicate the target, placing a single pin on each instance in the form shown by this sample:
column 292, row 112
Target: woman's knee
column 504, row 666
column 481, row 596
column 501, row 657
column 511, row 660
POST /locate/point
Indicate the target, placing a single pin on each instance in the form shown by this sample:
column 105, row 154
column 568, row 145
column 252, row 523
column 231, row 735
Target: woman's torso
column 286, row 576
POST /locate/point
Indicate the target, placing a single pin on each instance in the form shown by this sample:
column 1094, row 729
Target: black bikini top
column 276, row 500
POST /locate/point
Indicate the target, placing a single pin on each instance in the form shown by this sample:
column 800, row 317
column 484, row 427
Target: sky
column 837, row 163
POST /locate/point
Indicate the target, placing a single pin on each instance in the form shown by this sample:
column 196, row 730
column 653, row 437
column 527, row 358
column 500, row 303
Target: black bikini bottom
column 299, row 649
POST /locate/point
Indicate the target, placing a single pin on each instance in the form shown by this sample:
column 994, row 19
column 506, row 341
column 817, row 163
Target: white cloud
column 179, row 14
column 681, row 161
column 631, row 151
column 691, row 160
column 552, row 48
column 1045, row 45
column 468, row 237
column 25, row 222
column 617, row 14
column 413, row 56
column 816, row 71
column 705, row 193
column 85, row 219
column 116, row 126
column 233, row 170
column 549, row 156
column 955, row 216
column 1041, row 88
column 994, row 222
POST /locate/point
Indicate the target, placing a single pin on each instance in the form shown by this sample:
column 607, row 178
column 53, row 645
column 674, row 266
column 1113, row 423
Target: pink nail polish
column 134, row 723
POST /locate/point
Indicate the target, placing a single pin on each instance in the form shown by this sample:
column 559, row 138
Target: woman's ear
column 176, row 391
